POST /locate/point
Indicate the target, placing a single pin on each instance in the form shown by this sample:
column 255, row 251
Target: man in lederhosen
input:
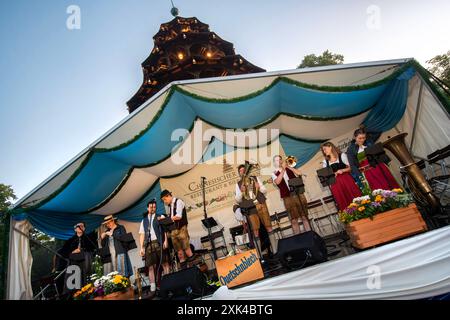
column 154, row 244
column 180, row 234
column 259, row 213
column 296, row 204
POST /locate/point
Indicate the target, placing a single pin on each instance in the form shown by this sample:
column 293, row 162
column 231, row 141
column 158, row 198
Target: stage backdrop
column 221, row 178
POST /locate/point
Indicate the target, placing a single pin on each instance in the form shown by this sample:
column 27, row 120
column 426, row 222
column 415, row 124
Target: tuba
column 249, row 183
column 421, row 190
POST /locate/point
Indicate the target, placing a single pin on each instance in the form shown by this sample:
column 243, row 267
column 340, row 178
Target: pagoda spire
column 185, row 48
column 174, row 11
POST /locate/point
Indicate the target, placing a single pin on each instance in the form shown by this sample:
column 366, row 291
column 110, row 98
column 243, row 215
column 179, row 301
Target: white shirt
column 238, row 215
column 344, row 159
column 152, row 230
column 178, row 210
column 285, row 176
column 238, row 193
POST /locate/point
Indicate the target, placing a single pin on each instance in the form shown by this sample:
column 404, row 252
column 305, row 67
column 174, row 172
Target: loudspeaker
column 302, row 250
column 187, row 283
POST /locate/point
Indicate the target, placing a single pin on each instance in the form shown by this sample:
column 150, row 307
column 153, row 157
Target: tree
column 6, row 196
column 327, row 58
column 440, row 68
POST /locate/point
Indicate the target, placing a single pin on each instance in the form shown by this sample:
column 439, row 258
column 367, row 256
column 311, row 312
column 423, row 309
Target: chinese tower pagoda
column 185, row 48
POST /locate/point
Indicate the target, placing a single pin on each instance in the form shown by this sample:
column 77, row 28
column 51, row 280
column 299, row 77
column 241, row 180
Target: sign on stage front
column 239, row 269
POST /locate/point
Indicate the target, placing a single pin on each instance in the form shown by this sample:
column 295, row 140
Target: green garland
column 297, row 84
column 255, row 94
column 172, row 90
column 424, row 73
column 114, row 193
column 141, row 198
column 23, row 208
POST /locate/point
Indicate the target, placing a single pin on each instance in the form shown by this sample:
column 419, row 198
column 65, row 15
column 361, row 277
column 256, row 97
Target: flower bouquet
column 103, row 286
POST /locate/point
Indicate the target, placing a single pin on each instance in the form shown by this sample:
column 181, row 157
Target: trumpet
column 291, row 161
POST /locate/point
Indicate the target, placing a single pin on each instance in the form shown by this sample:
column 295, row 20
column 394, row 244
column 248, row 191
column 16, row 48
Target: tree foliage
column 6, row 197
column 325, row 59
column 440, row 67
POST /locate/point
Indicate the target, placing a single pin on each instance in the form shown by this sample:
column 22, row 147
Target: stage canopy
column 125, row 168
column 120, row 172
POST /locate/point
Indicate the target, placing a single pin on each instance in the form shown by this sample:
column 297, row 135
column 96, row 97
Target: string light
column 180, row 56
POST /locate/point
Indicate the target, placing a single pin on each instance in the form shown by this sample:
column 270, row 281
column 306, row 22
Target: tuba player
column 250, row 189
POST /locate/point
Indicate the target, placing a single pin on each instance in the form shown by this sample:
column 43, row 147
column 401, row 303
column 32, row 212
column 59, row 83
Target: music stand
column 127, row 241
column 205, row 214
column 167, row 224
column 209, row 222
column 105, row 255
column 375, row 154
column 326, row 176
column 297, row 185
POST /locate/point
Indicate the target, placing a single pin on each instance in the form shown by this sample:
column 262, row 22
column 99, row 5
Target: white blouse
column 361, row 148
column 343, row 157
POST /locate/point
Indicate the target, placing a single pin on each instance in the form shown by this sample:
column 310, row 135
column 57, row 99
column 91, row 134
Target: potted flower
column 85, row 293
column 381, row 216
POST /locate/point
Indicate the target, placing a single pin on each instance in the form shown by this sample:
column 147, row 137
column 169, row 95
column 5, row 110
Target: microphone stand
column 251, row 237
column 206, row 217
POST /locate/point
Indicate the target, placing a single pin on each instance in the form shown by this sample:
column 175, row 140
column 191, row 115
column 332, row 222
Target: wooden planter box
column 121, row 295
column 385, row 227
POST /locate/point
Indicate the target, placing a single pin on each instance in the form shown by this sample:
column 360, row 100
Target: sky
column 62, row 88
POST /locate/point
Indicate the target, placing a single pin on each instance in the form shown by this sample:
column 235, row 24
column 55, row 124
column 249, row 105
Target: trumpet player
column 296, row 204
column 251, row 188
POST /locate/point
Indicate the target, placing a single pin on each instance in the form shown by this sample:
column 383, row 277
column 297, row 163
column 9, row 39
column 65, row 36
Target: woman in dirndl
column 345, row 189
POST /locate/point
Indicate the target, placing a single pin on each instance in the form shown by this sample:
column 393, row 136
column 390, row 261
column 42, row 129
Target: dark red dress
column 345, row 189
column 378, row 177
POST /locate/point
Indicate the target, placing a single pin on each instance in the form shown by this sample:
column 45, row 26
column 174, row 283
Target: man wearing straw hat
column 120, row 260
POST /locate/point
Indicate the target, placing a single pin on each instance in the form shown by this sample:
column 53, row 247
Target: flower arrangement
column 85, row 293
column 102, row 286
column 377, row 201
